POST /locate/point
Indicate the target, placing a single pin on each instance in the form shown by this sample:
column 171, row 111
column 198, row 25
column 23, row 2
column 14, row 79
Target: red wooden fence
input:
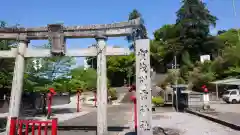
column 17, row 127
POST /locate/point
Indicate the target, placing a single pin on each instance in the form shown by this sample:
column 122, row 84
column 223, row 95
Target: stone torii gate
column 57, row 35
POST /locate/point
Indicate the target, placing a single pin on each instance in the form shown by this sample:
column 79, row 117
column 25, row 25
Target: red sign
column 204, row 86
column 133, row 98
column 205, row 89
column 52, row 91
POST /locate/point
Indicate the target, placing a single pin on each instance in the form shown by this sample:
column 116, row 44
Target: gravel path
column 187, row 124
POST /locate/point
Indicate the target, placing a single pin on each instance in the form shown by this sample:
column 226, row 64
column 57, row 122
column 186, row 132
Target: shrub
column 113, row 93
column 158, row 101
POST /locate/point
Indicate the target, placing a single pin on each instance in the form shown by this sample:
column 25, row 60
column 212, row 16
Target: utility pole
column 176, row 81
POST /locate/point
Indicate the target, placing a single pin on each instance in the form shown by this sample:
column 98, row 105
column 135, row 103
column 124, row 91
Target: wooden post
column 17, row 83
column 143, row 88
column 101, row 86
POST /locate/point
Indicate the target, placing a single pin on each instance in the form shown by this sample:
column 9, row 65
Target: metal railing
column 21, row 126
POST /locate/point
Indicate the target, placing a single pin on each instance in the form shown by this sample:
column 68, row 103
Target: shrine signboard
column 143, row 88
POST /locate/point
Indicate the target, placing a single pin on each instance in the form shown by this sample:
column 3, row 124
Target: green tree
column 84, row 79
column 51, row 69
column 6, row 64
column 54, row 67
column 231, row 58
column 121, row 66
column 193, row 21
column 157, row 55
column 202, row 74
column 139, row 33
column 53, row 72
column 165, row 46
column 230, row 37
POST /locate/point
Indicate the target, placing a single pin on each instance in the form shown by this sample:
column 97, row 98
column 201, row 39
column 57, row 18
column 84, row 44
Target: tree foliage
column 84, row 79
column 50, row 74
column 138, row 33
column 6, row 65
column 121, row 66
column 188, row 38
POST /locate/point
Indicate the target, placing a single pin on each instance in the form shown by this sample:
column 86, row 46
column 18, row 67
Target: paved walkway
column 118, row 116
column 187, row 124
column 224, row 107
column 227, row 112
column 159, row 110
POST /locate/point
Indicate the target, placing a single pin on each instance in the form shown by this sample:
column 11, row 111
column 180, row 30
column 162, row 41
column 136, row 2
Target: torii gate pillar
column 17, row 82
column 101, row 86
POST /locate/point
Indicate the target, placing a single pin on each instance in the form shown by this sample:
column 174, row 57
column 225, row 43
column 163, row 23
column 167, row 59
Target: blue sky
column 29, row 13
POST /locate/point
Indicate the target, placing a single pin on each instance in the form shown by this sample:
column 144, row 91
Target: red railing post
column 133, row 98
column 33, row 128
column 39, row 128
column 49, row 104
column 26, row 127
column 20, row 127
column 13, row 128
column 54, row 126
column 46, row 128
column 50, row 95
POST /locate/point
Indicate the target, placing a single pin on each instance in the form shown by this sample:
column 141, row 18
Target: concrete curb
column 214, row 119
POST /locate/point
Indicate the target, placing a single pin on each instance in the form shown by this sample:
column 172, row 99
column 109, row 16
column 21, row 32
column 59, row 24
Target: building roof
column 230, row 81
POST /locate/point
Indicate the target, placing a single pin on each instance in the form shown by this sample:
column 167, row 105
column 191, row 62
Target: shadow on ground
column 39, row 113
column 131, row 133
column 91, row 128
column 63, row 110
column 3, row 122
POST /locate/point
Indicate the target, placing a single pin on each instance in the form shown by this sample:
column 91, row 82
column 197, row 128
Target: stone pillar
column 17, row 82
column 143, row 87
column 101, row 86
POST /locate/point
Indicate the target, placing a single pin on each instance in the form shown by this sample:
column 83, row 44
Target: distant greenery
column 188, row 39
column 113, row 93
